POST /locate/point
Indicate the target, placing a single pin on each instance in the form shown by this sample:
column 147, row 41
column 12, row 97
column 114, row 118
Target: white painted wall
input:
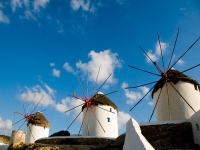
column 195, row 120
column 134, row 139
column 178, row 108
column 35, row 132
column 91, row 124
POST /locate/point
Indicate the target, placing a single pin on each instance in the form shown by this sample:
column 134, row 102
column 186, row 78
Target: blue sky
column 45, row 43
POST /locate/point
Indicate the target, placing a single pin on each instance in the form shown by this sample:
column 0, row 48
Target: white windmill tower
column 100, row 117
column 176, row 96
column 37, row 127
column 99, row 113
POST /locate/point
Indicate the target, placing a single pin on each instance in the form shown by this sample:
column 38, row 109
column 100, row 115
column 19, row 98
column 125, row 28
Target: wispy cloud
column 3, row 17
column 85, row 5
column 133, row 97
column 68, row 68
column 30, row 9
column 35, row 93
column 56, row 73
column 38, row 4
column 52, row 64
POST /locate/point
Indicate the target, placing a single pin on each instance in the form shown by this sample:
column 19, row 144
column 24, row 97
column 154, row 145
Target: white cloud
column 84, row 4
column 15, row 4
column 52, row 64
column 180, row 62
column 50, row 90
column 133, row 97
column 34, row 95
column 5, row 126
column 108, row 62
column 28, row 15
column 151, row 103
column 56, row 73
column 122, row 119
column 37, row 4
column 3, row 18
column 68, row 68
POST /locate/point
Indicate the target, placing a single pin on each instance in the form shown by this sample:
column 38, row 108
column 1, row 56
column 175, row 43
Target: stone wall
column 176, row 136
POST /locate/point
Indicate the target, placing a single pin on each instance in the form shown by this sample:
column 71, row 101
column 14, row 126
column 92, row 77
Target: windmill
column 37, row 125
column 99, row 113
column 176, row 96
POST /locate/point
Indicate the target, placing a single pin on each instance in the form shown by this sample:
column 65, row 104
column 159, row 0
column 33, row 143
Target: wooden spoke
column 173, row 49
column 142, row 98
column 161, row 52
column 74, row 107
column 182, row 97
column 191, row 68
column 143, row 70
column 74, row 119
column 185, row 52
column 140, row 85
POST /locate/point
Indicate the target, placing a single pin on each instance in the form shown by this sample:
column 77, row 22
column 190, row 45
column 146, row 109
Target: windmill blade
column 173, row 49
column 155, row 105
column 96, row 80
column 161, row 52
column 142, row 98
column 24, row 109
column 37, row 105
column 87, row 85
column 74, row 107
column 18, row 121
column 140, row 85
column 105, row 109
column 155, row 64
column 143, row 70
column 19, row 113
column 21, row 125
column 100, row 96
column 185, row 52
column 190, row 68
column 97, row 119
column 182, row 97
column 103, row 84
column 74, row 119
column 80, row 85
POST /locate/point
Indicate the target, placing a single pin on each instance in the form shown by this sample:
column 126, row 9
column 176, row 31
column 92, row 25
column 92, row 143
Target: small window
column 110, row 109
column 108, row 119
column 197, row 126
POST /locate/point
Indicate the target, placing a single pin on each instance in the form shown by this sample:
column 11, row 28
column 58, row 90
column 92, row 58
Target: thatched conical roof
column 39, row 119
column 174, row 76
column 100, row 99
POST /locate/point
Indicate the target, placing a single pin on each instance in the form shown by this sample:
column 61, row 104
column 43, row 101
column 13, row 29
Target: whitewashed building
column 179, row 98
column 37, row 127
column 100, row 119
